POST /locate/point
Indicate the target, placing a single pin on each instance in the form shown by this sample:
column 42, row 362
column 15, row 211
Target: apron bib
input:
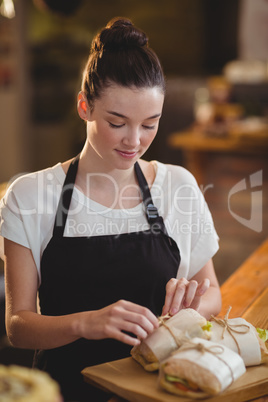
column 89, row 273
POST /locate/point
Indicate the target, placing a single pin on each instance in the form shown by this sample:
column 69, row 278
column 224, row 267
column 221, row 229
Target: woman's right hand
column 117, row 321
column 29, row 330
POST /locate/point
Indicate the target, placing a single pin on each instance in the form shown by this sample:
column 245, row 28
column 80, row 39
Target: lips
column 127, row 154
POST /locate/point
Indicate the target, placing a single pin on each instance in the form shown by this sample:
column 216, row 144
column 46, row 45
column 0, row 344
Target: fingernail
column 173, row 311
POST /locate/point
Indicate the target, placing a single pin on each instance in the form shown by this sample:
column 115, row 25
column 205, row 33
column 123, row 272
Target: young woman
column 107, row 240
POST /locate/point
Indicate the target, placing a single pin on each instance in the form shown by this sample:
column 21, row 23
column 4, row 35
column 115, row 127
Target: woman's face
column 123, row 124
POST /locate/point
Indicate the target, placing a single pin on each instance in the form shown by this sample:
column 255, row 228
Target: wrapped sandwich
column 200, row 369
column 242, row 337
column 170, row 335
column 22, row 384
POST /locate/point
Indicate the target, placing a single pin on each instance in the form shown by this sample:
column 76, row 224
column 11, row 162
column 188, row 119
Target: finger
column 133, row 328
column 135, row 314
column 190, row 293
column 134, row 320
column 131, row 323
column 200, row 291
column 203, row 287
column 117, row 334
column 178, row 296
column 142, row 312
column 170, row 290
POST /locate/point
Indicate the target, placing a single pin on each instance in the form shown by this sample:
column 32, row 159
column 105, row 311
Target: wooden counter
column 246, row 290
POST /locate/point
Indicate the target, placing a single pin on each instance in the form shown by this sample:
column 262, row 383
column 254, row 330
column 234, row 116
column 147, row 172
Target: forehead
column 126, row 99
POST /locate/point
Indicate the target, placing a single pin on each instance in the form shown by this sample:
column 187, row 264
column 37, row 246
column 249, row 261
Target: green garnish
column 171, row 378
column 263, row 334
column 207, row 326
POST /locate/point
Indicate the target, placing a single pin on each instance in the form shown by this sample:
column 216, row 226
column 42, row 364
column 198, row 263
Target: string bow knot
column 215, row 350
column 231, row 328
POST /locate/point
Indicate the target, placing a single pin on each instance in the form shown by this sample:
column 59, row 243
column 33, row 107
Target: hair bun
column 119, row 33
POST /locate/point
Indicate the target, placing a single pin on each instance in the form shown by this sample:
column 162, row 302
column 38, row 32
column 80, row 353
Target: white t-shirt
column 27, row 214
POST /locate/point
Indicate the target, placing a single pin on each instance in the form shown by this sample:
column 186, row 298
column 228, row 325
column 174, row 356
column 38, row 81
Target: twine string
column 215, row 350
column 162, row 322
column 231, row 328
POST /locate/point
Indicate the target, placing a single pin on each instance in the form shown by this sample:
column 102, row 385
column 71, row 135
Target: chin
column 124, row 164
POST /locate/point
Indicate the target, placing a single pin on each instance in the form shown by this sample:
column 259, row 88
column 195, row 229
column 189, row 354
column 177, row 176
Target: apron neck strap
column 155, row 221
column 151, row 211
column 65, row 198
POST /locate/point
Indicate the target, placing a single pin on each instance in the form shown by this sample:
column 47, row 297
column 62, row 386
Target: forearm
column 27, row 329
column 30, row 330
column 210, row 302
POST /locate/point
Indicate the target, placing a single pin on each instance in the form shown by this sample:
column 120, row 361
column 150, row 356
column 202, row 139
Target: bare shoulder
column 65, row 165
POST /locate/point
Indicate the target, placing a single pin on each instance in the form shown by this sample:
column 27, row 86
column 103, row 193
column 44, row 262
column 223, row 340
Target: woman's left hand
column 181, row 293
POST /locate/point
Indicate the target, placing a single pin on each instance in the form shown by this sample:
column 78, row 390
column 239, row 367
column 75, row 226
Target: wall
column 52, row 48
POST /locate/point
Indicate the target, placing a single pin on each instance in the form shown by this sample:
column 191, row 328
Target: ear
column 82, row 106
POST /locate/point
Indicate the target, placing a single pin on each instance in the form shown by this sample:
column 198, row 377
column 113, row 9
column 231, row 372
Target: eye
column 116, row 125
column 148, row 127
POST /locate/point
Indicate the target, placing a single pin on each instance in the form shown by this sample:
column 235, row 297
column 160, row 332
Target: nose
column 132, row 138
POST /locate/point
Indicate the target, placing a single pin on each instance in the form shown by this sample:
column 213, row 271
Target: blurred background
column 215, row 57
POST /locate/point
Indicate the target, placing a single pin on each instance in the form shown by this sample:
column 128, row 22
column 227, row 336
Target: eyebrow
column 125, row 117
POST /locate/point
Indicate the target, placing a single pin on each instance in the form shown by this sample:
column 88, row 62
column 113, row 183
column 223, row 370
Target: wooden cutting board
column 129, row 380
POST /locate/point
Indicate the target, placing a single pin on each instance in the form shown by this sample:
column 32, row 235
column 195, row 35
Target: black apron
column 89, row 273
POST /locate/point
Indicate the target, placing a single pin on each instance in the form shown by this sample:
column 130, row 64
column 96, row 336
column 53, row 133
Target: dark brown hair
column 120, row 54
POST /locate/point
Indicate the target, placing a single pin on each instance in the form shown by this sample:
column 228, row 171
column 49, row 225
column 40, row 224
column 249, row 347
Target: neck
column 114, row 188
column 101, row 173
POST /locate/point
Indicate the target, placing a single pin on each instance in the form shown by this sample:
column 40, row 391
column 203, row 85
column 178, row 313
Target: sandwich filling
column 182, row 384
